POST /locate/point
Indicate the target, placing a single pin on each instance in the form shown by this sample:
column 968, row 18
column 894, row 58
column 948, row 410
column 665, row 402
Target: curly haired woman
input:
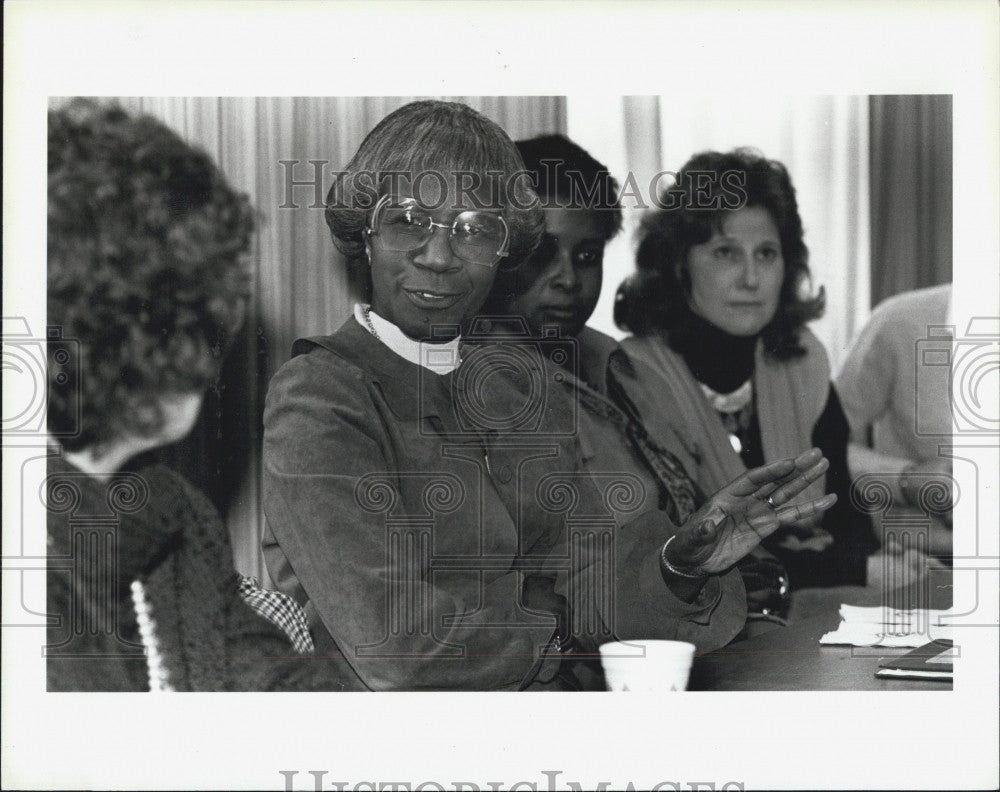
column 719, row 311
column 146, row 284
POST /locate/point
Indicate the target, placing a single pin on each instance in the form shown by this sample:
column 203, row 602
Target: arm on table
column 708, row 611
column 706, row 601
column 865, row 390
column 862, row 460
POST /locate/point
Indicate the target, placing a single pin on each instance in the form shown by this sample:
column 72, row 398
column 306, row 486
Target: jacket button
column 505, row 474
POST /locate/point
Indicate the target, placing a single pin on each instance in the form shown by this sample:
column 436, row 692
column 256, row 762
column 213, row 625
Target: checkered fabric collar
column 281, row 610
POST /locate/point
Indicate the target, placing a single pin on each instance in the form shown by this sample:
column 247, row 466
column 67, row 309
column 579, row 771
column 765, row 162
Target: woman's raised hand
column 736, row 518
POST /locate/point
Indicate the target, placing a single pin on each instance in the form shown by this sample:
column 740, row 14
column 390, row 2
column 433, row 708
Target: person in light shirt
column 899, row 407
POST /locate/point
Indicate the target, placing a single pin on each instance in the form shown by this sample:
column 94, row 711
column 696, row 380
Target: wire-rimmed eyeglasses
column 476, row 236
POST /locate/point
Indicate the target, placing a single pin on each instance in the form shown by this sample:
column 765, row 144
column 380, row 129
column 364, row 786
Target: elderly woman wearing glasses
column 425, row 497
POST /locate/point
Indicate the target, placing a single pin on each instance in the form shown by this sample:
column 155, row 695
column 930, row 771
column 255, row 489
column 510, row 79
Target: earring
column 365, row 234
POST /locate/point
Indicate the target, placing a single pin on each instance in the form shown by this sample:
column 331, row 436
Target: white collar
column 439, row 358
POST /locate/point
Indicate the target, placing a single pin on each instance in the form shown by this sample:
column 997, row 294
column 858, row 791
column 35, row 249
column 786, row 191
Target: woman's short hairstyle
column 565, row 175
column 432, row 137
column 710, row 185
column 146, row 275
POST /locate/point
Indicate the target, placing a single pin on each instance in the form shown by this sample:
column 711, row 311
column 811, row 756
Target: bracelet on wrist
column 665, row 564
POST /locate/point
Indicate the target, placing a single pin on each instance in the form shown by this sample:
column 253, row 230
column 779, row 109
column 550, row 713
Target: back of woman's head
column 430, row 145
column 146, row 243
column 707, row 189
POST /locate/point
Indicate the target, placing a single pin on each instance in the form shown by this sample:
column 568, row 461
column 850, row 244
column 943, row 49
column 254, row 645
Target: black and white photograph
column 453, row 351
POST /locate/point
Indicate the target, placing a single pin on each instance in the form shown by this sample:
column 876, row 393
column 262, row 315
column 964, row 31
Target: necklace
column 159, row 679
column 366, row 312
column 733, row 409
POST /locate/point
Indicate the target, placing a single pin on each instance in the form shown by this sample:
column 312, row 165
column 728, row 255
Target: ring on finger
column 771, row 503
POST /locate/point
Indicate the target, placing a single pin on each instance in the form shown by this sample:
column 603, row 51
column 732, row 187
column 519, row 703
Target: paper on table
column 881, row 614
column 883, row 626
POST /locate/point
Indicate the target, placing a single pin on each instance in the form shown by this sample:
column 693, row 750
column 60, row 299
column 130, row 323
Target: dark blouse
column 723, row 362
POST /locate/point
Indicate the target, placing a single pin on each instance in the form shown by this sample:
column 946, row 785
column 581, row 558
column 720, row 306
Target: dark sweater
column 723, row 362
column 155, row 527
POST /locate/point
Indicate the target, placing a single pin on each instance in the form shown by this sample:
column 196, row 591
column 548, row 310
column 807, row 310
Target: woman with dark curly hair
column 719, row 305
column 146, row 285
column 146, row 244
column 419, row 477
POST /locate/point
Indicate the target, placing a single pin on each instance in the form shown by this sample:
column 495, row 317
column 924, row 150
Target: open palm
column 747, row 510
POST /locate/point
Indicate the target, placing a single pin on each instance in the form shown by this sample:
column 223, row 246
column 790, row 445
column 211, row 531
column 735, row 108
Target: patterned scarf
column 679, row 495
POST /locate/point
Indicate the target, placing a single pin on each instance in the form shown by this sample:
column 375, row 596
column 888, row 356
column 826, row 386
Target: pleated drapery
column 298, row 283
column 875, row 225
column 822, row 140
column 911, row 193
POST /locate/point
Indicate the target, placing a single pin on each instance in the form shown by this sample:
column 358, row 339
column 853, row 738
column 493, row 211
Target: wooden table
column 791, row 658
